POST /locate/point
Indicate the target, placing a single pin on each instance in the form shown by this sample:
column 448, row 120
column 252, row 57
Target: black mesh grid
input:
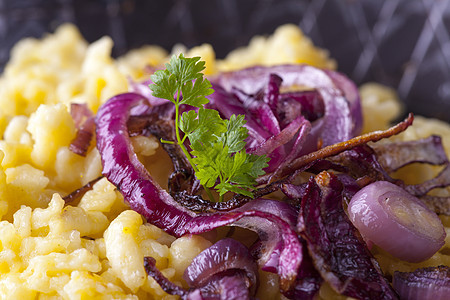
column 402, row 43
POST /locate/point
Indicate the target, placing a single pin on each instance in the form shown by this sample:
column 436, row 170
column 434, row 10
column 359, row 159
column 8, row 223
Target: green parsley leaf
column 229, row 170
column 259, row 162
column 164, row 86
column 218, row 154
column 194, row 94
column 203, row 131
column 209, row 164
column 236, row 133
column 225, row 187
column 189, row 122
column 185, row 69
column 183, row 76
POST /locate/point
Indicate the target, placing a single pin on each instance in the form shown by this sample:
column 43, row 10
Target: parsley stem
column 208, row 192
column 210, row 137
column 167, row 142
column 181, row 143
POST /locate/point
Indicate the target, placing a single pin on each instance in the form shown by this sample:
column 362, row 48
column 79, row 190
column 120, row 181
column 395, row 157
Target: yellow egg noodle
column 95, row 247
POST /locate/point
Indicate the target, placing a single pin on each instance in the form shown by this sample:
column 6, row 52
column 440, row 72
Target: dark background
column 402, row 43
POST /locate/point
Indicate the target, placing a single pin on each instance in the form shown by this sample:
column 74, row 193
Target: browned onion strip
column 182, row 178
column 395, row 155
column 430, row 283
column 167, row 286
column 77, row 194
column 84, row 121
column 441, row 205
column 336, row 149
column 441, row 180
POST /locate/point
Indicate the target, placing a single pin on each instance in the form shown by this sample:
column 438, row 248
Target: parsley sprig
column 218, row 155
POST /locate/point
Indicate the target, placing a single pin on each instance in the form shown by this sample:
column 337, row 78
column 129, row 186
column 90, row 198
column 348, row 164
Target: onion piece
column 229, row 286
column 328, row 151
column 343, row 117
column 335, row 245
column 300, row 127
column 167, row 285
column 224, row 269
column 84, row 121
column 432, row 283
column 282, row 249
column 394, row 155
column 308, row 281
column 306, row 103
column 396, row 221
column 223, row 256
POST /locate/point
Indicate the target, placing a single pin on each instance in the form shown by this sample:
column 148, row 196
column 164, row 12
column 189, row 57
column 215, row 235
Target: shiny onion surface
column 398, row 222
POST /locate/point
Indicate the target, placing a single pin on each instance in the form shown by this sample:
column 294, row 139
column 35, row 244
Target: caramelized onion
column 224, row 256
column 281, row 248
column 432, row 283
column 84, row 121
column 396, row 221
column 337, row 250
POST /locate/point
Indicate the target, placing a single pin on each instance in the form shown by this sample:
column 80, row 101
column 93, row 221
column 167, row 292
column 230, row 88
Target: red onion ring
column 122, row 168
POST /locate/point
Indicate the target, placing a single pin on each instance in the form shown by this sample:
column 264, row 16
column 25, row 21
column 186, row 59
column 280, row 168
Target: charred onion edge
column 78, row 193
column 84, row 121
column 338, row 148
column 429, row 283
column 168, row 286
column 163, row 129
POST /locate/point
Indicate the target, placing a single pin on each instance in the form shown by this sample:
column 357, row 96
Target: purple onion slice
column 307, row 103
column 343, row 117
column 441, row 180
column 228, row 286
column 167, row 286
column 281, row 246
column 229, row 105
column 432, row 283
column 394, row 155
column 308, row 280
column 225, row 270
column 225, row 256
